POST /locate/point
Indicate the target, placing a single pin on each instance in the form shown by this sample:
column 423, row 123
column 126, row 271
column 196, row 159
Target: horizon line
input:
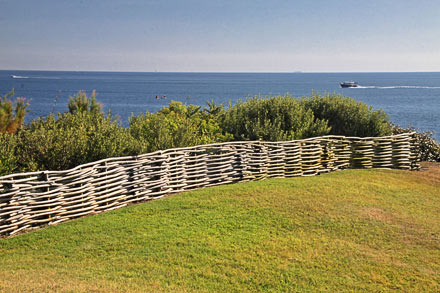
column 240, row 72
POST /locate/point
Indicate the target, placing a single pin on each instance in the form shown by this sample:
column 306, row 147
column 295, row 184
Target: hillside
column 372, row 230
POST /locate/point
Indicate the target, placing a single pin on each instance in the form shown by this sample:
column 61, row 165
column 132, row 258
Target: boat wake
column 397, row 87
column 36, row 77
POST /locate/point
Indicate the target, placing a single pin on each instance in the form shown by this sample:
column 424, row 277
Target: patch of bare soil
column 374, row 213
column 430, row 170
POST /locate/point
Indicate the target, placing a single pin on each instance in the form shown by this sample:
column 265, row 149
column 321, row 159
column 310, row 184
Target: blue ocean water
column 408, row 98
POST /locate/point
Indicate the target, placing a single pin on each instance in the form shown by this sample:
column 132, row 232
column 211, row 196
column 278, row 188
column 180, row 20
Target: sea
column 410, row 99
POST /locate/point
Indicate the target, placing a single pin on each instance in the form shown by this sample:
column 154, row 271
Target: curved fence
column 34, row 199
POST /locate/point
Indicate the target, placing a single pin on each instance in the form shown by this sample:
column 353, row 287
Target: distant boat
column 18, row 76
column 349, row 84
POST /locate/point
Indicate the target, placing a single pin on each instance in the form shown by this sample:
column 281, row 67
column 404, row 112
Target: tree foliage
column 80, row 102
column 12, row 113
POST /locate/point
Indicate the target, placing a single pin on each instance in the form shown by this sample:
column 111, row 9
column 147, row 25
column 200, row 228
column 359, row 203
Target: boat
column 349, row 84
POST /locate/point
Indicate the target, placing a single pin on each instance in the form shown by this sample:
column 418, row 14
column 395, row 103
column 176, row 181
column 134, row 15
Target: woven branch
column 35, row 199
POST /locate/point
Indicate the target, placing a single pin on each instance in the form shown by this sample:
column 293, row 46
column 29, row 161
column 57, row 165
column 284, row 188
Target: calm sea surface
column 408, row 98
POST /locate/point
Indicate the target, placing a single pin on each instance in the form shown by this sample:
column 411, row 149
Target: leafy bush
column 84, row 134
column 428, row 147
column 177, row 125
column 72, row 139
column 12, row 113
column 348, row 117
column 8, row 159
column 272, row 119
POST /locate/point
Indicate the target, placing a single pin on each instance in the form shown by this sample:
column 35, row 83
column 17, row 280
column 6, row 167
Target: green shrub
column 84, row 134
column 8, row 159
column 72, row 139
column 272, row 119
column 428, row 147
column 177, row 125
column 81, row 103
column 347, row 116
column 12, row 113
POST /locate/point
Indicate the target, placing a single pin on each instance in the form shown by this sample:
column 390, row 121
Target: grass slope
column 374, row 230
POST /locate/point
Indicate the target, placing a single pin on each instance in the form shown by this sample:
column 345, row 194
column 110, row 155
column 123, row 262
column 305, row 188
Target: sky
column 220, row 36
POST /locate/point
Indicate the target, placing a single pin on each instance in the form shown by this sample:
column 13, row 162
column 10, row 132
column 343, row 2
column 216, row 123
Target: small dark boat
column 349, row 84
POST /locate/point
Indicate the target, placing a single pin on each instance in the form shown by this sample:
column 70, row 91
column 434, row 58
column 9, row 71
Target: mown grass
column 374, row 230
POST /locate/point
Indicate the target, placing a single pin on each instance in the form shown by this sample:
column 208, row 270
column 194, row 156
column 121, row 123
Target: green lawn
column 374, row 230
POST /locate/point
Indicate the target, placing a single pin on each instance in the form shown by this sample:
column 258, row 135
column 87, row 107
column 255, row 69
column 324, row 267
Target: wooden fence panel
column 35, row 199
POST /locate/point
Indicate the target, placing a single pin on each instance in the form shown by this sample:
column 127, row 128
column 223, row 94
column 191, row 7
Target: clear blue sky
column 221, row 36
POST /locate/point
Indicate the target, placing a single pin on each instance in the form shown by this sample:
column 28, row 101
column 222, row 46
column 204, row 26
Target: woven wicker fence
column 31, row 200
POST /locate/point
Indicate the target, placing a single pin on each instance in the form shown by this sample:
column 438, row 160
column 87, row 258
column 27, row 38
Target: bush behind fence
column 35, row 199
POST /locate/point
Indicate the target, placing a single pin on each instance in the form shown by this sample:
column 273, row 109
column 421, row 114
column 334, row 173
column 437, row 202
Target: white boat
column 348, row 84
